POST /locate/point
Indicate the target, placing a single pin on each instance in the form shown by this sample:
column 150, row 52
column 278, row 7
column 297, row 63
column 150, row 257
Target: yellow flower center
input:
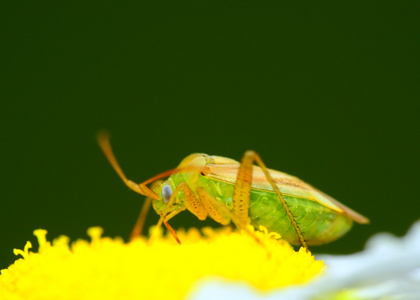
column 106, row 268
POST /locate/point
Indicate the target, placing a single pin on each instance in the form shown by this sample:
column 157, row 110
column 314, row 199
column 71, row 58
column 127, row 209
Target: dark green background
column 324, row 90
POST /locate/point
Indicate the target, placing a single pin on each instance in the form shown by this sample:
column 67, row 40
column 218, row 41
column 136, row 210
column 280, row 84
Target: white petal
column 389, row 266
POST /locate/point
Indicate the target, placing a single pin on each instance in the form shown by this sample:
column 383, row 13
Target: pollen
column 157, row 268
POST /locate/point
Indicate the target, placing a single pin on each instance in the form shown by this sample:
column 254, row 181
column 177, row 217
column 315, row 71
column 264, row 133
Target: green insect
column 228, row 191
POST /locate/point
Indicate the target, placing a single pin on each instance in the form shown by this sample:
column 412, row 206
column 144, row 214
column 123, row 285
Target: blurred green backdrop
column 324, row 90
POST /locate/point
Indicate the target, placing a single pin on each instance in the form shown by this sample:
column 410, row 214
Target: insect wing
column 288, row 185
column 355, row 216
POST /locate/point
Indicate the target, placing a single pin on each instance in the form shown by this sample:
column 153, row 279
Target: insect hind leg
column 242, row 192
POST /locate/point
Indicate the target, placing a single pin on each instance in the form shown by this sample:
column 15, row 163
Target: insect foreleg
column 165, row 220
column 242, row 192
column 190, row 202
column 174, row 213
column 171, row 230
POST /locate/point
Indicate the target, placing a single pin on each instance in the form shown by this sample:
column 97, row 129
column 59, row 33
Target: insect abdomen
column 319, row 224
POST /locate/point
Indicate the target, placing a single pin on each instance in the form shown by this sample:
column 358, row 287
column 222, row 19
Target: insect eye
column 166, row 193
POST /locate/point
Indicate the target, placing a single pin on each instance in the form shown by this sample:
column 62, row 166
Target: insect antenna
column 103, row 140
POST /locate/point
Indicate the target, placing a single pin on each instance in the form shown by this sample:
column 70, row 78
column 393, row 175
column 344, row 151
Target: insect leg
column 242, row 192
column 220, row 213
column 191, row 202
column 174, row 213
column 171, row 230
column 165, row 220
column 214, row 211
